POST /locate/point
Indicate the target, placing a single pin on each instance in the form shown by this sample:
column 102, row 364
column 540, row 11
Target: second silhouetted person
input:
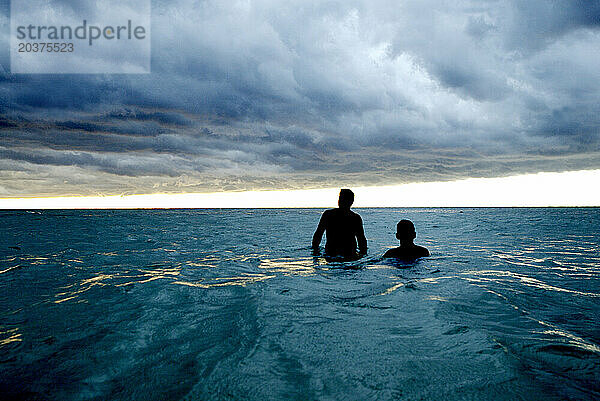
column 405, row 232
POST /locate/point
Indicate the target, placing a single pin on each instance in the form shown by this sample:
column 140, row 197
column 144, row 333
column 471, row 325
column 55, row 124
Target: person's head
column 346, row 198
column 405, row 230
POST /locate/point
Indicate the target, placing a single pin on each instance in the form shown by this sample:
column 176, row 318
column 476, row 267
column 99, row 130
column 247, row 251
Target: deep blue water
column 230, row 304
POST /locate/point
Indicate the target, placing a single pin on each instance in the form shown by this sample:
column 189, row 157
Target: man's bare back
column 343, row 229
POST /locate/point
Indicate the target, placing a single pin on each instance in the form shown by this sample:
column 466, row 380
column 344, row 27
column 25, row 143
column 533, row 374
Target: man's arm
column 360, row 237
column 316, row 241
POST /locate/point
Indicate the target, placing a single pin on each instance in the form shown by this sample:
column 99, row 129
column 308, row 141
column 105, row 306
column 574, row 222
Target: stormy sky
column 248, row 95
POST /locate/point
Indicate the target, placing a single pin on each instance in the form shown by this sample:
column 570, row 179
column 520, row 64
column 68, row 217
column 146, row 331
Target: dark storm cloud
column 538, row 23
column 265, row 94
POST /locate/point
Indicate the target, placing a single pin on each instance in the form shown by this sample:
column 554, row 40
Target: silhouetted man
column 343, row 229
column 405, row 232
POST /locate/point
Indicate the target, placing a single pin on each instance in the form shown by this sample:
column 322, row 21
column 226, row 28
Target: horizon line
column 564, row 189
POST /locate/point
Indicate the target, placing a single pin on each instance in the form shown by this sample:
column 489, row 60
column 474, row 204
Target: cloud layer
column 265, row 94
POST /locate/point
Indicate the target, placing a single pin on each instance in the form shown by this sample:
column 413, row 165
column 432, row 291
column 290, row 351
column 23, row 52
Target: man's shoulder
column 338, row 211
column 342, row 214
column 391, row 253
column 422, row 250
column 355, row 215
column 329, row 212
column 409, row 253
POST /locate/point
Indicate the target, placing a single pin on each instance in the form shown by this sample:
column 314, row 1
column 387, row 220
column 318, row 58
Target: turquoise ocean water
column 230, row 305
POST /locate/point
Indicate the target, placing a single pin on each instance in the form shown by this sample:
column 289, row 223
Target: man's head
column 346, row 199
column 405, row 230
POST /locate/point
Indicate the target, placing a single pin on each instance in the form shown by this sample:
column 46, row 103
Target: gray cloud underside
column 248, row 95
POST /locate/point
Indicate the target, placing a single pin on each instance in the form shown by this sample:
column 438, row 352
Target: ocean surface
column 230, row 305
